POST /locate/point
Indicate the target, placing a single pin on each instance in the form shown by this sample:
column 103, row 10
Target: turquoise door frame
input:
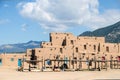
column 19, row 62
column 0, row 62
column 66, row 60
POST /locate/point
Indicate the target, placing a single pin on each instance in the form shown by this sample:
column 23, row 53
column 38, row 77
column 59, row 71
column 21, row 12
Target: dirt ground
column 12, row 74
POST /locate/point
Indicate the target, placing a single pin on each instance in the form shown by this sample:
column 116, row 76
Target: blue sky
column 25, row 20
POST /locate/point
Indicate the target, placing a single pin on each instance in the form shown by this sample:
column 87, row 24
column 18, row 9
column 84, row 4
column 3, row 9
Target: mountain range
column 19, row 47
column 111, row 33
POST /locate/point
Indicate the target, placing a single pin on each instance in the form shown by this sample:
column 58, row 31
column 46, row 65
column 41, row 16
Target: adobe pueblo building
column 74, row 52
column 65, row 51
column 11, row 60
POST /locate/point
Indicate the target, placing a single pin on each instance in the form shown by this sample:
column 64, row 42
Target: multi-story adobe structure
column 62, row 49
column 66, row 46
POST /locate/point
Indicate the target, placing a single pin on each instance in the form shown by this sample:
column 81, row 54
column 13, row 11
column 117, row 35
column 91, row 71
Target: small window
column 94, row 47
column 75, row 58
column 107, row 49
column 64, row 42
column 76, row 49
column 71, row 41
column 99, row 47
column 61, row 50
column 51, row 49
column 12, row 59
column 85, row 47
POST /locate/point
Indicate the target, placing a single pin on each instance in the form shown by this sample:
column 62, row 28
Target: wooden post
column 117, row 64
column 29, row 67
column 73, row 63
column 111, row 64
column 69, row 63
column 76, row 63
column 114, row 64
column 44, row 63
column 95, row 64
column 23, row 64
column 98, row 66
column 102, row 65
column 80, row 64
column 95, row 61
column 106, row 64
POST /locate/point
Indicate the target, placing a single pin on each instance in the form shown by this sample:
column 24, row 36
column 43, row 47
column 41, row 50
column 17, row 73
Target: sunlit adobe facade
column 68, row 46
column 65, row 46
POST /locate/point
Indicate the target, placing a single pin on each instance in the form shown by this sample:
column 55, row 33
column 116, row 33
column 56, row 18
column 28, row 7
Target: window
column 51, row 49
column 107, row 49
column 94, row 47
column 49, row 62
column 64, row 42
column 99, row 47
column 61, row 50
column 85, row 47
column 71, row 41
column 76, row 49
column 75, row 58
column 12, row 59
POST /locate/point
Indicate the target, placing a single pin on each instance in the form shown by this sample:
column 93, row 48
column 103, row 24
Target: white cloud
column 24, row 26
column 59, row 15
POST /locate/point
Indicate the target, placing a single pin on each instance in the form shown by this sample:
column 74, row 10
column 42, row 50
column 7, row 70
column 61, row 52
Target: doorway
column 19, row 62
column 0, row 62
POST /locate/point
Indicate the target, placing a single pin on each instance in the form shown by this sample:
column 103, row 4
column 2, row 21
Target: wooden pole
column 69, row 63
column 117, row 64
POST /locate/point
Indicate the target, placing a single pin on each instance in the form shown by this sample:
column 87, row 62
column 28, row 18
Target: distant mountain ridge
column 111, row 33
column 19, row 47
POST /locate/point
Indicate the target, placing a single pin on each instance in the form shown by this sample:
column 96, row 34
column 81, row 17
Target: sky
column 25, row 20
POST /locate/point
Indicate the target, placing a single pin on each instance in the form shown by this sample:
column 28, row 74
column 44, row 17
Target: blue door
column 19, row 62
column 0, row 62
column 66, row 60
